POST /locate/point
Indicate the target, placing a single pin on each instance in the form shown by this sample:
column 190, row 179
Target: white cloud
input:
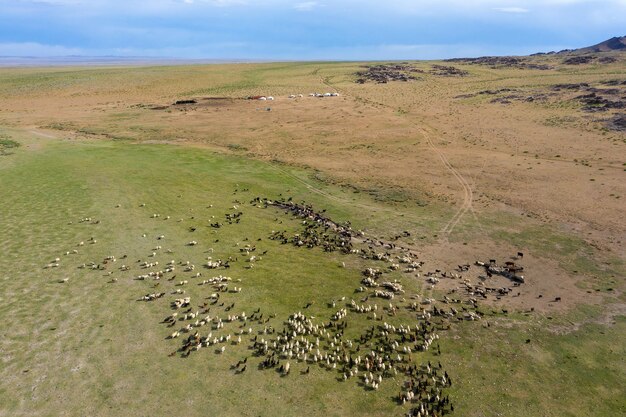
column 421, row 7
column 472, row 7
column 511, row 9
column 53, row 2
column 218, row 3
column 174, row 26
column 306, row 6
column 36, row 49
column 225, row 2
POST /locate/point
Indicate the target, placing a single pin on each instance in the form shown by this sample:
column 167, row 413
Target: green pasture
column 88, row 347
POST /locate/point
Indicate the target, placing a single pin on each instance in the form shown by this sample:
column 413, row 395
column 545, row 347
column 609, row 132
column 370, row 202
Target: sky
column 304, row 30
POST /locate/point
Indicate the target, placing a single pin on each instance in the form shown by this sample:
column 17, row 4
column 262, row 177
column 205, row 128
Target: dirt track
column 466, row 204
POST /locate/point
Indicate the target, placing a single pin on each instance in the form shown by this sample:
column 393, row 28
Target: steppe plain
column 500, row 161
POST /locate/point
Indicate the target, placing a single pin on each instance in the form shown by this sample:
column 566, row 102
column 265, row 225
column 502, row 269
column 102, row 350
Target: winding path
column 468, row 194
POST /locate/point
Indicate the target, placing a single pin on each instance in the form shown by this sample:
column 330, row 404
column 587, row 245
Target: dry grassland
column 470, row 176
column 537, row 163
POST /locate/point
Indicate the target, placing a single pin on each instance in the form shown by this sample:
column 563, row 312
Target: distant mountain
column 613, row 44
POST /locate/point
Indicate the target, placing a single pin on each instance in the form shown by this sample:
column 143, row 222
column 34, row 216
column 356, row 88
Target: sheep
column 170, row 318
column 152, row 297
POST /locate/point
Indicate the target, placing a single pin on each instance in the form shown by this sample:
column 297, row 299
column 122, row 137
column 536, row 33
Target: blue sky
column 301, row 29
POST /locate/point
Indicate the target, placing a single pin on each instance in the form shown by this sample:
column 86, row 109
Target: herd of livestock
column 377, row 335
